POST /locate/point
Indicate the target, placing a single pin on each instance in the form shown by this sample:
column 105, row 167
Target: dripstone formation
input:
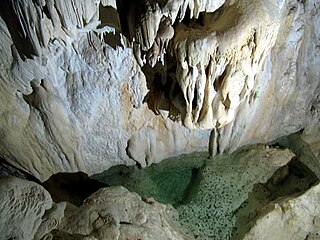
column 86, row 85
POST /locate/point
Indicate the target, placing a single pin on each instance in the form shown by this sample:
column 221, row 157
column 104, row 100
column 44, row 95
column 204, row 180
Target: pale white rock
column 291, row 218
column 111, row 3
column 159, row 138
column 227, row 53
column 117, row 214
column 85, row 110
column 22, row 206
column 287, row 86
column 76, row 105
column 51, row 220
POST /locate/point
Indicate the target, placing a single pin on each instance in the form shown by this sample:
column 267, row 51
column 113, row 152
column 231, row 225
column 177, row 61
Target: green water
column 216, row 198
column 168, row 182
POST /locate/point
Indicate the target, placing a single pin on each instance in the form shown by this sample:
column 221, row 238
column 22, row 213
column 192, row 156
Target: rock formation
column 290, row 218
column 86, row 85
column 223, row 199
column 23, row 204
column 27, row 212
column 116, row 213
column 89, row 84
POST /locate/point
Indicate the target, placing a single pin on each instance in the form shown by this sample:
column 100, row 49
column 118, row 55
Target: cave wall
column 287, row 90
column 86, row 85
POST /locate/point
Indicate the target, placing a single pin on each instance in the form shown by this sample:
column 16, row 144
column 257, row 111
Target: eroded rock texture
column 86, row 85
column 71, row 102
column 27, row 212
column 217, row 62
column 116, row 213
column 23, row 204
column 290, row 218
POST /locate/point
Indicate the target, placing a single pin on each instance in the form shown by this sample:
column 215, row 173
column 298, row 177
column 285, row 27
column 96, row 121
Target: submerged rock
column 225, row 183
column 168, row 181
column 219, row 198
column 237, row 196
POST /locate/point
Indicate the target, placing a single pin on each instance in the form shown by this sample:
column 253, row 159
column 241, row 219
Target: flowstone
column 23, row 206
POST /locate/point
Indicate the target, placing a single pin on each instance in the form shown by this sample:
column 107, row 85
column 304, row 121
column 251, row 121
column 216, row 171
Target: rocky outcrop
column 217, row 62
column 86, row 85
column 220, row 198
column 69, row 100
column 290, row 218
column 116, row 213
column 27, row 212
column 23, row 205
column 286, row 88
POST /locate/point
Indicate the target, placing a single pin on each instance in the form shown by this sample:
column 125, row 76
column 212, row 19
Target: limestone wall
column 86, row 85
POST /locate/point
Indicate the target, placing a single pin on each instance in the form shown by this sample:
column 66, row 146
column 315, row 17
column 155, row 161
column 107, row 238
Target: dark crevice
column 46, row 11
column 71, row 187
column 126, row 223
column 218, row 82
column 192, row 188
column 113, row 40
column 187, row 20
column 123, row 8
column 7, row 169
column 109, row 16
column 164, row 92
column 291, row 180
column 195, row 98
column 21, row 41
column 138, row 165
column 131, row 15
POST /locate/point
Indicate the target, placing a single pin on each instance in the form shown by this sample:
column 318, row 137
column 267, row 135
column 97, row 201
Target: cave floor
column 220, row 197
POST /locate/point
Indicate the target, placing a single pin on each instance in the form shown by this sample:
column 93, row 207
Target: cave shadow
column 8, row 169
column 109, row 16
column 16, row 29
column 71, row 187
column 164, row 92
